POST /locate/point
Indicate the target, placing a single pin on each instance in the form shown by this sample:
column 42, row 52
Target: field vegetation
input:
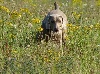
column 21, row 19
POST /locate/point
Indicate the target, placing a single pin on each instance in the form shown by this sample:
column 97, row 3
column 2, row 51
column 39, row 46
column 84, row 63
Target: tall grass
column 19, row 22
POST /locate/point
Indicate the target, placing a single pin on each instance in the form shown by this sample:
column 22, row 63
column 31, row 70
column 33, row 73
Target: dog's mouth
column 56, row 34
column 56, row 30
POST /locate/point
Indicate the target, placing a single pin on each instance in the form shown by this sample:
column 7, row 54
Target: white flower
column 84, row 5
column 98, row 45
column 30, row 25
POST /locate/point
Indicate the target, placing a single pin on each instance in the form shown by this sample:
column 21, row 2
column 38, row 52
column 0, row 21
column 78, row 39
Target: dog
column 54, row 26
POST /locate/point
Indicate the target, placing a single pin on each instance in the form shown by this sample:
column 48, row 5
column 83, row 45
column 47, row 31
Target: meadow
column 19, row 53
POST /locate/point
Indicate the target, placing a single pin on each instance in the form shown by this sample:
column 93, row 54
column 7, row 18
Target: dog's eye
column 59, row 21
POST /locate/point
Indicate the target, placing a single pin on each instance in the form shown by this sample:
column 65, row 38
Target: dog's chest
column 55, row 37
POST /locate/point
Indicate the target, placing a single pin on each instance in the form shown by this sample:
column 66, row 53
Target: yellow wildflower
column 85, row 27
column 40, row 29
column 34, row 5
column 19, row 15
column 76, row 27
column 10, row 24
column 74, row 13
column 77, row 1
column 69, row 25
column 4, row 9
column 91, row 26
column 14, row 51
column 67, row 38
column 49, row 50
column 46, row 59
column 55, row 58
column 25, row 10
column 1, row 21
column 36, row 20
column 98, row 2
column 77, row 15
column 15, row 14
column 19, row 64
column 97, row 26
column 11, row 36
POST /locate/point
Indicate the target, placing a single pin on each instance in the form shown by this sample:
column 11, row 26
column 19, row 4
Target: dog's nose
column 56, row 30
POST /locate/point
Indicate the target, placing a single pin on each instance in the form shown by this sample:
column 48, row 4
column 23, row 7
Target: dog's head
column 55, row 22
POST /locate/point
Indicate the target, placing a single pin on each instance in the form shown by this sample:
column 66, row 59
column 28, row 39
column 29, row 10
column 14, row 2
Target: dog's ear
column 45, row 23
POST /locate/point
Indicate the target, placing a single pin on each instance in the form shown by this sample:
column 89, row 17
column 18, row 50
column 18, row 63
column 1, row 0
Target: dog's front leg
column 61, row 42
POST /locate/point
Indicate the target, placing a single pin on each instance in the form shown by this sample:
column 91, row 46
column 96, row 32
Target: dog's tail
column 56, row 6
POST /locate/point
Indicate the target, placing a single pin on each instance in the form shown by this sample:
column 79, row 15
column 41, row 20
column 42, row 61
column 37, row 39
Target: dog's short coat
column 54, row 26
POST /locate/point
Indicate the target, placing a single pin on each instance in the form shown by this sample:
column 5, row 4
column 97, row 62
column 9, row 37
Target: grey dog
column 54, row 26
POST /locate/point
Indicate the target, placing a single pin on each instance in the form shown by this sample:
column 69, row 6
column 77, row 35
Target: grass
column 19, row 22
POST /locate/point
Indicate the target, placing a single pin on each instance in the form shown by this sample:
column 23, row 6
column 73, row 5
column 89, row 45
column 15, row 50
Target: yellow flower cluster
column 72, row 27
column 15, row 14
column 97, row 26
column 10, row 24
column 77, row 1
column 98, row 2
column 24, row 10
column 12, row 36
column 40, row 29
column 69, row 25
column 77, row 15
column 36, row 20
column 1, row 21
column 5, row 9
column 14, row 51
